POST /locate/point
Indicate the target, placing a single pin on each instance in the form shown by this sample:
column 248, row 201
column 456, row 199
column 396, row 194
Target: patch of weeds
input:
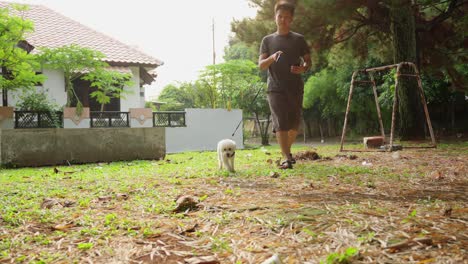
column 223, row 219
column 58, row 193
column 39, row 239
column 4, row 254
column 353, row 223
column 50, row 216
column 411, row 216
column 85, row 246
column 370, row 184
column 429, row 201
column 309, row 232
column 12, row 218
column 109, row 219
column 175, row 181
column 198, row 233
column 20, row 258
column 148, row 232
column 89, row 231
column 341, row 258
column 47, row 257
column 203, row 197
column 160, row 208
column 234, row 192
column 220, row 245
column 5, row 244
column 366, row 238
column 213, row 182
column 84, row 202
column 179, row 215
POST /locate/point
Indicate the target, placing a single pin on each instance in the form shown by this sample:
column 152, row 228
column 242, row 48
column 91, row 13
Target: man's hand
column 276, row 56
column 298, row 69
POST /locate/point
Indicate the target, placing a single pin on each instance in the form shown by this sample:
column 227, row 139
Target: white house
column 55, row 30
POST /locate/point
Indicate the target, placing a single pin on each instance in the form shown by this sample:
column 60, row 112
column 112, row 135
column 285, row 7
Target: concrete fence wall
column 39, row 147
column 50, row 146
column 204, row 128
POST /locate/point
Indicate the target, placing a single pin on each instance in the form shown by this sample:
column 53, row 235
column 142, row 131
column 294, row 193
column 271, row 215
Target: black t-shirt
column 294, row 47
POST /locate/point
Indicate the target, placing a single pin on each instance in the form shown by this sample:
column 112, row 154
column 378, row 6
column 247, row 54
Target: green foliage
column 320, row 91
column 74, row 61
column 341, row 258
column 240, row 51
column 179, row 96
column 231, row 80
column 85, row 246
column 350, row 35
column 17, row 65
column 109, row 84
column 36, row 101
column 233, row 84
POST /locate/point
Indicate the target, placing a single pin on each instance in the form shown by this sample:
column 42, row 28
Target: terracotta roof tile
column 54, row 30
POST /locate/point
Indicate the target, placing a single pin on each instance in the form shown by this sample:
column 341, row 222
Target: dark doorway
column 83, row 91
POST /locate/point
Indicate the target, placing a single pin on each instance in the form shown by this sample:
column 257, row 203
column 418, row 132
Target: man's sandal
column 291, row 158
column 287, row 164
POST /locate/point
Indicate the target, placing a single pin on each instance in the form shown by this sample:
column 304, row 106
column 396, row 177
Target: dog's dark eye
column 229, row 149
column 224, row 149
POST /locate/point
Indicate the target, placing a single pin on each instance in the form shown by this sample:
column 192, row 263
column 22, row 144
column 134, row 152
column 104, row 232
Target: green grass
column 136, row 199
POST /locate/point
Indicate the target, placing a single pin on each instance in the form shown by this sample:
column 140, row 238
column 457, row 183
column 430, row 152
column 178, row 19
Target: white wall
column 132, row 99
column 205, row 127
column 54, row 86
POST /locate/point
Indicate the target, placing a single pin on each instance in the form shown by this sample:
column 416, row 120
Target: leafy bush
column 36, row 101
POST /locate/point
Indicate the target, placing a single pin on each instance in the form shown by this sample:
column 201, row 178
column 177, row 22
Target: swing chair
column 369, row 72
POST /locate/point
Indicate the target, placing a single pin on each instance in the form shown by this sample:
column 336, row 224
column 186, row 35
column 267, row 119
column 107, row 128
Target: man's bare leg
column 283, row 140
column 291, row 138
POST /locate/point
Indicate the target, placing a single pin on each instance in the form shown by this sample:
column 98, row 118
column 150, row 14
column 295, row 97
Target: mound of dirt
column 307, row 155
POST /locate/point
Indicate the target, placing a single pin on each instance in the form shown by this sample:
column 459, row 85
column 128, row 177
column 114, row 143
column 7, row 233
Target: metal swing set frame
column 369, row 72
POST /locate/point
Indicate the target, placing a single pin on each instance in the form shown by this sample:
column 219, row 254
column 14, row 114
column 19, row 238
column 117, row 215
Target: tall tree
column 404, row 49
column 369, row 26
column 17, row 66
column 74, row 61
column 109, row 84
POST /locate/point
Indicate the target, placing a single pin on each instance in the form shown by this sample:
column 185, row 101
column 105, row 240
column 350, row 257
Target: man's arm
column 264, row 61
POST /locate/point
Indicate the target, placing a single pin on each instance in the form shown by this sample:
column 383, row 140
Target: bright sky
column 178, row 32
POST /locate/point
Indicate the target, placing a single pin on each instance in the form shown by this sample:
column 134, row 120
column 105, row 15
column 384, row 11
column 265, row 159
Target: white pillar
column 6, row 117
column 72, row 120
column 141, row 117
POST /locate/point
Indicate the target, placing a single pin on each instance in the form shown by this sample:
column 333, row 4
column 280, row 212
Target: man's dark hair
column 285, row 5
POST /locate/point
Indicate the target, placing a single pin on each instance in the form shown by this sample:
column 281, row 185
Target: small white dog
column 226, row 153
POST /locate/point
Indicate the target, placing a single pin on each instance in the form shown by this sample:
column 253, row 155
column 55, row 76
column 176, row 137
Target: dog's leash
column 253, row 101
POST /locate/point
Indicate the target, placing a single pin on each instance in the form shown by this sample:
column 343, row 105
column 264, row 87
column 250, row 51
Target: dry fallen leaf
column 185, row 203
column 121, row 196
column 202, row 260
column 49, row 203
column 62, row 227
column 274, row 174
column 437, row 175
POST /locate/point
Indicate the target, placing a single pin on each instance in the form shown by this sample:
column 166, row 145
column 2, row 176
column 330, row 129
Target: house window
column 142, row 94
column 38, row 83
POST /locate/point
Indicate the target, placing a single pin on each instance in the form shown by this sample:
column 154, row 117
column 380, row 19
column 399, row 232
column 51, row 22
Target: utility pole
column 214, row 52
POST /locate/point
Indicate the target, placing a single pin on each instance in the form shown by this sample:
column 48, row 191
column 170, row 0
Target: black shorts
column 286, row 109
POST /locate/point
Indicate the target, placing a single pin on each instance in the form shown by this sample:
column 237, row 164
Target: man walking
column 286, row 56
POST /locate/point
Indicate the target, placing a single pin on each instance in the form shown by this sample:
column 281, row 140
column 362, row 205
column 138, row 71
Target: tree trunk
column 4, row 91
column 320, row 130
column 4, row 97
column 404, row 44
column 263, row 130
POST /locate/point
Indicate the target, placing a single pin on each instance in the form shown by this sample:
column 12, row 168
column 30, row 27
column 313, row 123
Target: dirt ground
column 414, row 212
column 409, row 206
